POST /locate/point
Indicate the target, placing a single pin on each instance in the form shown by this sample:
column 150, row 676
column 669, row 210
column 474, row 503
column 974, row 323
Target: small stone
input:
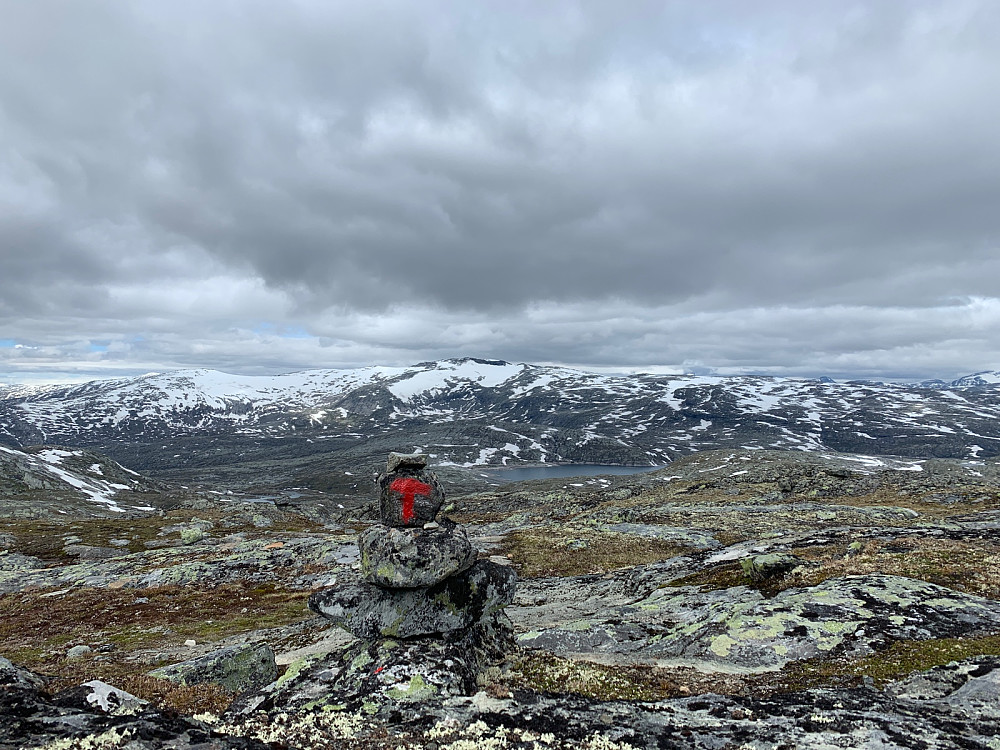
column 78, row 652
column 854, row 549
column 432, row 525
column 190, row 643
column 415, row 461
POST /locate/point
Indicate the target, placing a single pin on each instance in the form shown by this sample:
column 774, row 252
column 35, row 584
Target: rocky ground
column 735, row 599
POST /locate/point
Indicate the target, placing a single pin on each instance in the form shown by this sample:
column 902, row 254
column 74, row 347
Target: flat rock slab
column 737, row 628
column 371, row 612
column 237, row 668
column 414, row 558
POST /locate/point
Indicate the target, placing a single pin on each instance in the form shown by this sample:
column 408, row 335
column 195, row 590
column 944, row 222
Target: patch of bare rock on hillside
column 734, row 599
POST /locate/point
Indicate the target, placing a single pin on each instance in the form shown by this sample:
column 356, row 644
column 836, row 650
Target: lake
column 569, row 470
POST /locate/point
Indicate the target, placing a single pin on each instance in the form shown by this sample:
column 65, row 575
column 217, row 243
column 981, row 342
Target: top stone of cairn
column 409, row 495
column 415, row 461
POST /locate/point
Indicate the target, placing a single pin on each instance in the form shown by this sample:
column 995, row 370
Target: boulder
column 770, row 566
column 236, row 668
column 96, row 715
column 414, row 558
column 102, row 698
column 371, row 612
column 78, row 652
column 14, row 676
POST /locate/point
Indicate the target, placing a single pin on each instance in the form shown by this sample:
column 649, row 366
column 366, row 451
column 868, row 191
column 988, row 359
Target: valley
column 765, row 587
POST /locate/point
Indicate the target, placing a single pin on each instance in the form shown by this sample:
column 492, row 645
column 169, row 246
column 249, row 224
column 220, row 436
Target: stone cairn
column 421, row 575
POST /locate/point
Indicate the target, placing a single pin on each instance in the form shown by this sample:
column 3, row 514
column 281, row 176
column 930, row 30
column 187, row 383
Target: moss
column 901, row 659
column 905, row 657
column 292, row 670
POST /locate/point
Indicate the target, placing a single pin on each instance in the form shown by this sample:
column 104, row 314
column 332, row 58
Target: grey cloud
column 476, row 161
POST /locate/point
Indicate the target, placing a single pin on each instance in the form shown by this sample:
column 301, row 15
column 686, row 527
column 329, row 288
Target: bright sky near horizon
column 703, row 186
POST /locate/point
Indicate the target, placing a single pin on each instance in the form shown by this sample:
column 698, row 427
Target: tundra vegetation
column 734, row 598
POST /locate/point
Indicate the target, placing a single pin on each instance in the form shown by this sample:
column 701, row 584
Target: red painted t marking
column 408, row 487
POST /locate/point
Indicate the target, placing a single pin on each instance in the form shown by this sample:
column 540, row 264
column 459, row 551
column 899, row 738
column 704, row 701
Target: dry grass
column 971, row 566
column 36, row 630
column 546, row 673
column 538, row 553
column 45, row 538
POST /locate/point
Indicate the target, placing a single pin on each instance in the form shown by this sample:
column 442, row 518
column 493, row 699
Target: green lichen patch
column 538, row 553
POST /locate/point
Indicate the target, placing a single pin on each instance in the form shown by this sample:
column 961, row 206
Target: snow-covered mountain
column 481, row 412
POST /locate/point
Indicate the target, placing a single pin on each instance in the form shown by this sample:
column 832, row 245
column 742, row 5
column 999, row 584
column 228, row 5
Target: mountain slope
column 62, row 480
column 471, row 412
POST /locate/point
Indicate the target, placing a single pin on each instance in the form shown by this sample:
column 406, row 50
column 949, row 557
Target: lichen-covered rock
column 96, row 715
column 414, row 558
column 385, row 675
column 409, row 494
column 772, row 565
column 236, row 668
column 99, row 696
column 740, row 628
column 14, row 676
column 371, row 612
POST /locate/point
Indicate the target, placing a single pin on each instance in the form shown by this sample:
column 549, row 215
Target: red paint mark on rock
column 408, row 487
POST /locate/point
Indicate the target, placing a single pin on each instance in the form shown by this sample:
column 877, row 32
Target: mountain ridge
column 472, row 412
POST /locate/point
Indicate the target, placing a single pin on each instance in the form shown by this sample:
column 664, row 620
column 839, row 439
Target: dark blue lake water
column 571, row 470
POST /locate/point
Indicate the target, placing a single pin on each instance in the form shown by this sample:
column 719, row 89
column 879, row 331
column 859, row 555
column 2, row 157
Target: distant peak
column 464, row 361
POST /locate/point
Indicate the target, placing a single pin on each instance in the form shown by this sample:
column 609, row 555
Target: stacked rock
column 421, row 575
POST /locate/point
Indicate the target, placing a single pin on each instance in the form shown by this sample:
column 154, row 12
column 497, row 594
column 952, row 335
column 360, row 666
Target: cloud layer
column 262, row 187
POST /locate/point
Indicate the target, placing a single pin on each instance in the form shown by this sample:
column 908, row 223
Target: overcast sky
column 771, row 187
